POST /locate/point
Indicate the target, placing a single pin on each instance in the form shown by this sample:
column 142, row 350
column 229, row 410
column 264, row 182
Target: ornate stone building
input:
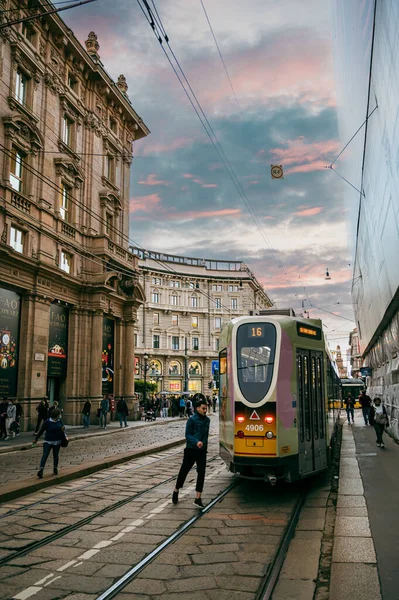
column 187, row 302
column 356, row 360
column 69, row 289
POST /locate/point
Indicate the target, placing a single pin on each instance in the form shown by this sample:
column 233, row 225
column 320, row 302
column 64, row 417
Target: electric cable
column 43, row 14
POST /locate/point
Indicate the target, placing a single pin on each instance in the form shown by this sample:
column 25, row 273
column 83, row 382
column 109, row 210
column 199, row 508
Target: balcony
column 103, row 246
column 68, row 230
column 20, row 202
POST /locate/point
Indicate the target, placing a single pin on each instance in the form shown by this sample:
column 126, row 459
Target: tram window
column 256, row 345
column 300, row 397
column 306, row 399
column 223, row 373
column 320, row 395
column 315, row 400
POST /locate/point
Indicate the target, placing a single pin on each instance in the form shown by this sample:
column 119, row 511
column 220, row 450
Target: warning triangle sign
column 254, row 416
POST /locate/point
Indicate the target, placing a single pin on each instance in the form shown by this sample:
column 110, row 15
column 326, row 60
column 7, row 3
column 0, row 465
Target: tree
column 151, row 387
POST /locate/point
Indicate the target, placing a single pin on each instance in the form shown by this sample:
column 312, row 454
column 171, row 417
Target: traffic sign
column 276, row 172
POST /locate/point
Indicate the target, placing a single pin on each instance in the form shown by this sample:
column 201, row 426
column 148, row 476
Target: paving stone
column 347, row 501
column 351, row 580
column 294, row 589
column 80, row 583
column 352, row 526
column 219, row 594
column 160, row 572
column 174, row 559
column 240, row 568
column 191, row 584
column 219, row 548
column 313, row 513
column 354, row 550
column 245, row 584
column 308, row 535
column 352, row 512
column 351, row 487
column 148, row 587
column 214, row 557
column 310, row 524
column 302, row 560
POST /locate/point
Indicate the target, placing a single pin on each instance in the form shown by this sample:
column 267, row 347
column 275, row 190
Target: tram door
column 312, row 434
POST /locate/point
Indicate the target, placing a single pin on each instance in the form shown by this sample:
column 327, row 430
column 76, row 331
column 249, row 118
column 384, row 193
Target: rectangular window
column 65, row 262
column 194, row 321
column 156, row 318
column 175, row 342
column 194, row 302
column 156, row 281
column 109, row 224
column 16, row 239
column 65, row 205
column 155, row 297
column 233, row 288
column 21, row 85
column 72, row 83
column 218, row 303
column 67, row 128
column 28, row 33
column 16, row 170
column 175, row 320
column 113, row 126
column 216, row 344
column 174, row 300
column 191, row 286
column 174, row 284
column 111, row 169
column 234, row 303
column 218, row 322
column 155, row 341
column 195, row 343
column 135, row 340
column 217, row 287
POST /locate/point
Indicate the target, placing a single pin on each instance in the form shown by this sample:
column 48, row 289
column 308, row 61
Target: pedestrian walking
column 42, row 414
column 214, row 402
column 3, row 416
column 379, row 419
column 54, row 434
column 19, row 411
column 10, row 418
column 197, row 431
column 365, row 402
column 165, row 408
column 55, row 406
column 350, row 408
column 182, row 406
column 104, row 406
column 86, row 414
column 122, row 410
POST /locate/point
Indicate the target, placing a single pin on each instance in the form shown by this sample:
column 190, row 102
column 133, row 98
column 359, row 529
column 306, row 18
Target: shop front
column 10, row 308
column 57, row 353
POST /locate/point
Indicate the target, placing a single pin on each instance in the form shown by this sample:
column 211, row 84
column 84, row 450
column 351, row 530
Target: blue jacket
column 53, row 431
column 197, row 430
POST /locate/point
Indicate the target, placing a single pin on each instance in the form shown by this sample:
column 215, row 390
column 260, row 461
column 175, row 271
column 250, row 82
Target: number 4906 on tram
column 274, row 372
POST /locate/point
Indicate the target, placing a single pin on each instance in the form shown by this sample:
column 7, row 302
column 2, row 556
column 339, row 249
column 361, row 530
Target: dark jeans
column 46, row 451
column 192, row 456
column 350, row 412
column 86, row 421
column 3, row 430
column 122, row 417
column 366, row 414
column 379, row 430
column 39, row 420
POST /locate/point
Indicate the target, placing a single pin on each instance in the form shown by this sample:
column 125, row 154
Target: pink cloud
column 197, row 214
column 209, row 185
column 144, row 203
column 149, row 147
column 309, row 212
column 305, row 156
column 152, row 180
column 188, row 176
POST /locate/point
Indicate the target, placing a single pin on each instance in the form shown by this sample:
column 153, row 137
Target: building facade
column 187, row 302
column 370, row 29
column 356, row 360
column 69, row 289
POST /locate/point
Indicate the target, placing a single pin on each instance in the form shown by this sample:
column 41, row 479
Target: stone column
column 128, row 359
column 96, row 349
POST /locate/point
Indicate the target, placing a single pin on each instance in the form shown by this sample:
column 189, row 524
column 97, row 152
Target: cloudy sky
column 282, row 111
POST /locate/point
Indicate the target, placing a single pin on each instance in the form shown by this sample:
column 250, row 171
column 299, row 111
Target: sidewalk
column 24, row 440
column 365, row 557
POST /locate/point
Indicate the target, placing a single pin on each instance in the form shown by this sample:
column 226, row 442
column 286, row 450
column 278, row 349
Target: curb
column 86, row 436
column 25, row 487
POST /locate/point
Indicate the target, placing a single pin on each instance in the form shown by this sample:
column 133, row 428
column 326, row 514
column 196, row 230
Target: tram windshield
column 256, row 345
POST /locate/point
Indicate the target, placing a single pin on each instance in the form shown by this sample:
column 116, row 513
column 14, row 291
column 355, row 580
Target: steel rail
column 69, row 528
column 266, row 590
column 119, row 585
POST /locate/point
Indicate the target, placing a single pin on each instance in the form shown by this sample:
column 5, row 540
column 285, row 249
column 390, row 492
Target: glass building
column 367, row 65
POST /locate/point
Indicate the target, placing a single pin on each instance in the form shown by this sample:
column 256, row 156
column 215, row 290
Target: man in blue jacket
column 197, row 431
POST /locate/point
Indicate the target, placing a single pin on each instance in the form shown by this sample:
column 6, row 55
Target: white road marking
column 103, row 544
column 52, row 581
column 137, row 522
column 67, row 565
column 78, row 564
column 44, row 579
column 117, row 537
column 88, row 554
column 30, row 591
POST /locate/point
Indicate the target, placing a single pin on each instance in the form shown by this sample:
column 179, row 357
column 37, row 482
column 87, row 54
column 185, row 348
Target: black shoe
column 55, row 472
column 198, row 502
column 175, row 497
column 40, row 473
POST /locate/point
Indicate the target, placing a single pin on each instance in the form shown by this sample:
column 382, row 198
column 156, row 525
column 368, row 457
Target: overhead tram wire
column 159, row 32
column 45, row 13
column 221, row 56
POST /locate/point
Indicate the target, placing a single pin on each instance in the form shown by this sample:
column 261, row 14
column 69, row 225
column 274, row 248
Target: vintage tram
column 277, row 383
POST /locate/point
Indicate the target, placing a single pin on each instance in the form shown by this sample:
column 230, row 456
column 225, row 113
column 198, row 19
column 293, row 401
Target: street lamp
column 146, row 367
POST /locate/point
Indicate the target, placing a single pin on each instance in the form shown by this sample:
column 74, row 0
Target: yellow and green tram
column 276, row 386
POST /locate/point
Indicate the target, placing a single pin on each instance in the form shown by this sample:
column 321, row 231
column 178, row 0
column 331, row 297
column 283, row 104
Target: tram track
column 86, row 520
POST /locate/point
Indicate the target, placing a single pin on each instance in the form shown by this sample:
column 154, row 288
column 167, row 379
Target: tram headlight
column 269, row 435
column 240, row 419
column 269, row 419
column 240, row 434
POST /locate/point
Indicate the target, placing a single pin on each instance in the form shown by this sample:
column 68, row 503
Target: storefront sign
column 194, row 385
column 175, row 385
column 58, row 341
column 366, row 371
column 10, row 308
column 108, row 356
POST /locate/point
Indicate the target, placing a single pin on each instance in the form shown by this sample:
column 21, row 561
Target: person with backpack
column 54, row 432
column 379, row 419
column 10, row 418
column 122, row 410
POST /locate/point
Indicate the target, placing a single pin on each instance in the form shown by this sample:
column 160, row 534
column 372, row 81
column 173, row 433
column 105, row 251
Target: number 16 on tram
column 273, row 397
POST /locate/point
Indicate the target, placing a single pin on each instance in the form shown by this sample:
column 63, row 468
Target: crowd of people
column 179, row 405
column 373, row 411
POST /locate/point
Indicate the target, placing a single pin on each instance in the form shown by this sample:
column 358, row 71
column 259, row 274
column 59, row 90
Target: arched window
column 195, row 368
column 155, row 368
column 174, row 367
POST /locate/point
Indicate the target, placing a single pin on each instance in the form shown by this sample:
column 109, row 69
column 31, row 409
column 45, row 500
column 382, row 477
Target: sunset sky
column 279, row 59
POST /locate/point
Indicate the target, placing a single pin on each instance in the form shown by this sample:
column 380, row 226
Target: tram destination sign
column 308, row 331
